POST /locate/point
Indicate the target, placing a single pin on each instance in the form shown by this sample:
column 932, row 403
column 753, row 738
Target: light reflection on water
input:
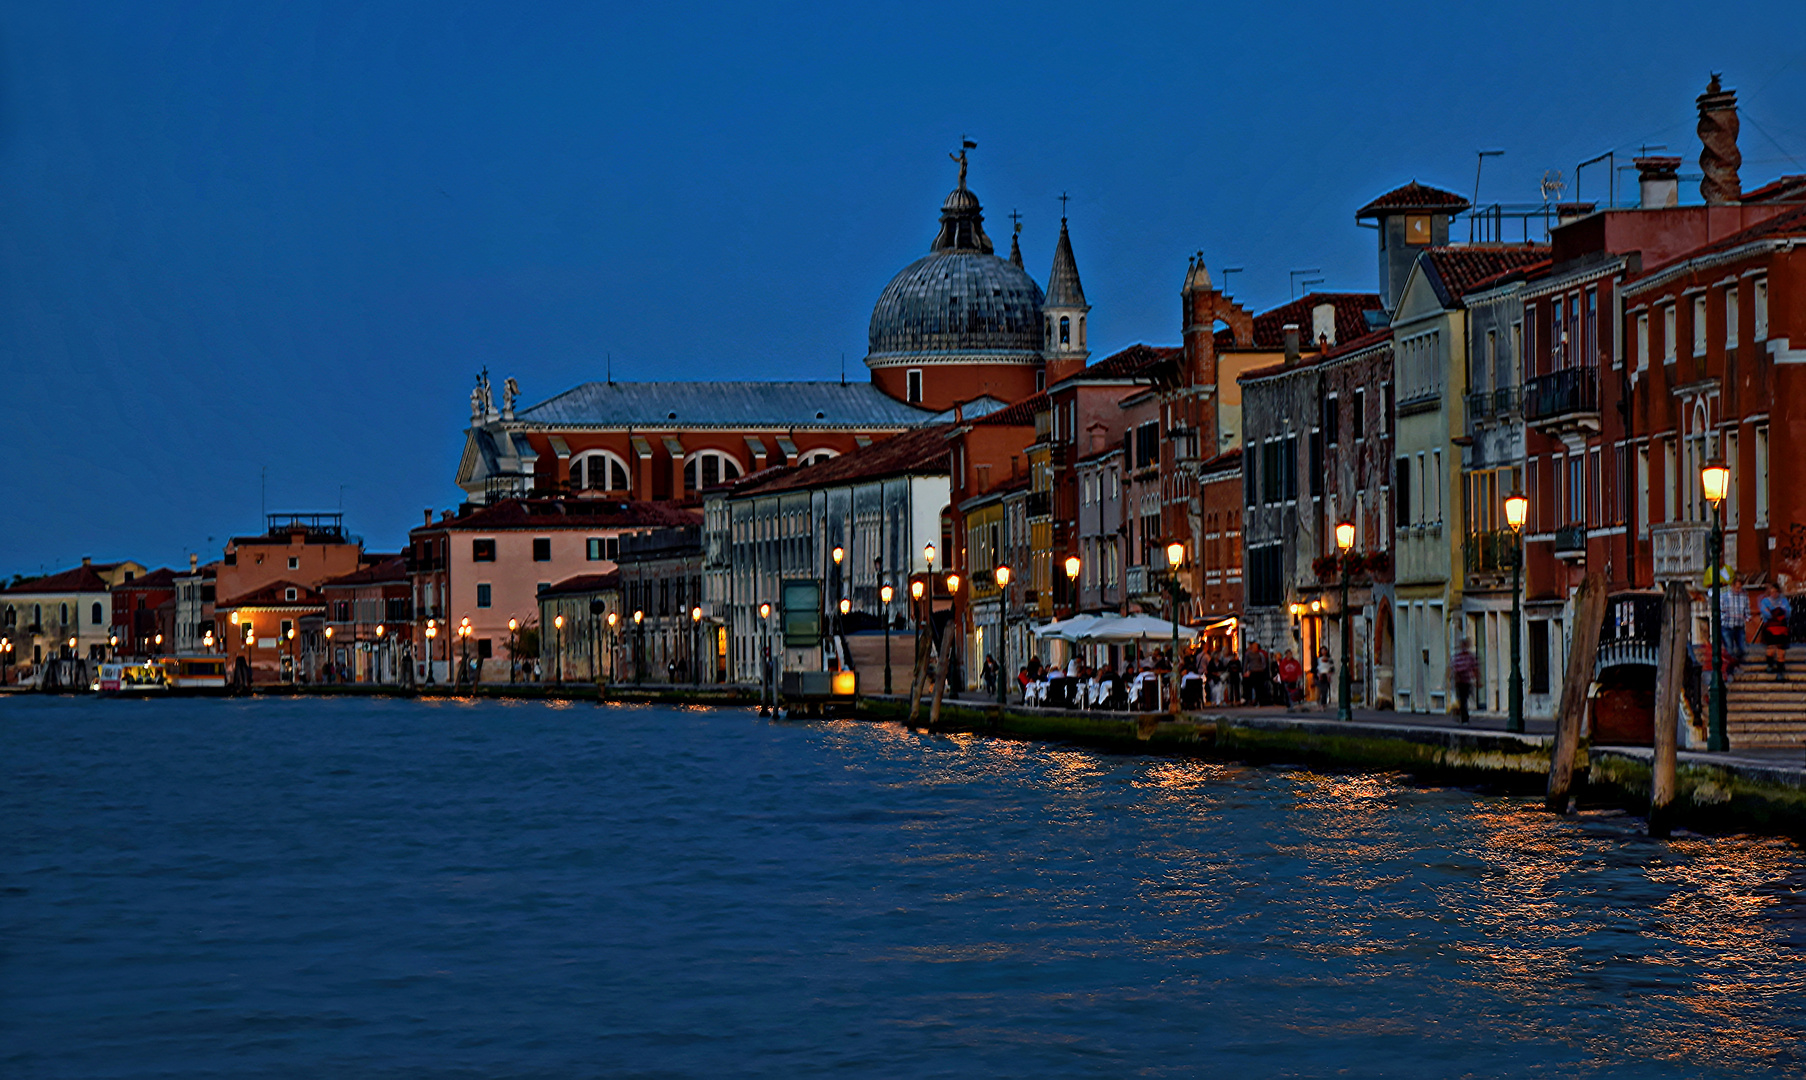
column 294, row 888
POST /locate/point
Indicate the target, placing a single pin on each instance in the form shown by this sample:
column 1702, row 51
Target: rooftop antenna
column 609, row 361
column 263, row 490
column 1481, row 156
column 1224, row 274
column 1295, row 275
column 843, row 367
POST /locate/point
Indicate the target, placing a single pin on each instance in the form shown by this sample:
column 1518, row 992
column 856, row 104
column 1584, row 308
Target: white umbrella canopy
column 1134, row 628
column 1072, row 629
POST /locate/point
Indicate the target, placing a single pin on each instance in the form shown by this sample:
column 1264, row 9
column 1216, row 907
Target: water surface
column 394, row 888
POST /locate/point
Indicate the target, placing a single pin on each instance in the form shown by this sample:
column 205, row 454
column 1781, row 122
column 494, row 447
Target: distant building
column 370, row 613
column 143, row 614
column 590, row 642
column 661, row 602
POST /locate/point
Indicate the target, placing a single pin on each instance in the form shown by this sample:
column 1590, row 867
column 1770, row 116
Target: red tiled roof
column 585, row 583
column 1781, row 188
column 163, row 578
column 274, row 595
column 1365, row 341
column 1021, row 414
column 75, row 579
column 1269, row 326
column 1455, row 269
column 565, row 513
column 1526, row 271
column 1414, row 196
column 1132, row 361
column 920, row 451
column 391, row 569
column 1790, row 223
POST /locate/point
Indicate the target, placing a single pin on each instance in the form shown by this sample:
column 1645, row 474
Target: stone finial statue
column 482, row 400
column 1719, row 158
column 510, row 391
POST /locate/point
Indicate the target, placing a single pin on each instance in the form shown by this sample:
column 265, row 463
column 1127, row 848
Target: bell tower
column 1064, row 311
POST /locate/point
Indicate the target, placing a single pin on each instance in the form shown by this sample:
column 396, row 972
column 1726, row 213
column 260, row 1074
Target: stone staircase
column 1761, row 710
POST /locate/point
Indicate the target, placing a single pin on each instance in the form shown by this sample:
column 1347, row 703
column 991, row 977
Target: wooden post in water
column 940, row 674
column 1589, row 612
column 1671, row 668
column 920, row 675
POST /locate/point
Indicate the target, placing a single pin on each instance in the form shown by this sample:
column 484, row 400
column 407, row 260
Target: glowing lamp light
column 846, row 683
column 839, row 554
column 764, row 611
column 696, row 614
column 291, row 633
column 845, row 605
column 464, row 621
column 1344, row 535
column 381, row 630
column 1175, row 553
column 329, row 633
column 1715, row 480
column 952, row 584
column 513, row 625
column 915, row 589
column 885, row 593
column 638, row 617
column 612, row 618
column 1517, row 510
column 928, row 553
column 1072, row 567
column 558, row 622
column 1003, row 577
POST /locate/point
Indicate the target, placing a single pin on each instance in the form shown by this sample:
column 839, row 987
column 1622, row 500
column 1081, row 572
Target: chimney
column 1658, row 181
column 1323, row 323
column 429, row 515
column 1291, row 332
column 87, row 560
column 194, row 563
column 1719, row 158
column 1571, row 211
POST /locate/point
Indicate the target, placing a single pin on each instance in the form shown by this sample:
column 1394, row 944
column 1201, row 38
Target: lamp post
column 290, row 637
column 613, row 620
column 513, row 652
column 377, row 652
column 558, row 648
column 1175, row 555
column 639, row 646
column 1072, row 584
column 432, row 631
column 331, row 672
column 952, row 599
column 1002, row 574
column 113, row 645
column 1517, row 510
column 1345, row 533
column 885, row 592
column 464, row 632
column 696, row 643
column 766, row 691
column 1714, row 480
column 838, row 553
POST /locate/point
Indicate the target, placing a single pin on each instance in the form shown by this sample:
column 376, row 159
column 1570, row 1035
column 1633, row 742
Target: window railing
column 1679, row 550
column 1570, row 538
column 1559, row 393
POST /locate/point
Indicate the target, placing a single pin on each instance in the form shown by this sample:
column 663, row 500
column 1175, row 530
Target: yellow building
column 63, row 616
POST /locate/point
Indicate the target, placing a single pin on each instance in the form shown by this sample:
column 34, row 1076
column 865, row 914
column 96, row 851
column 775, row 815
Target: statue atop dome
column 965, row 145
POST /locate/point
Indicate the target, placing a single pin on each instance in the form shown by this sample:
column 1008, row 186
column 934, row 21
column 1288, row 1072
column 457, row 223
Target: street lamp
column 885, row 592
column 513, row 662
column 639, row 646
column 1002, row 573
column 113, row 644
column 613, row 619
column 464, row 632
column 1345, row 535
column 432, row 631
column 696, row 643
column 1517, row 511
column 558, row 649
column 1175, row 555
column 1072, row 582
column 377, row 652
column 766, row 690
column 1715, row 480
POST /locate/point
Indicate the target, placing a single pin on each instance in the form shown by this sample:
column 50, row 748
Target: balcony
column 1571, row 542
column 1564, row 403
column 1040, row 503
column 1489, row 552
column 1138, row 581
column 1486, row 406
column 1678, row 549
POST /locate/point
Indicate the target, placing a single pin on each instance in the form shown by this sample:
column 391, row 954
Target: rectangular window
column 1760, row 291
column 1699, row 325
column 1595, row 504
column 1557, row 339
column 1533, row 491
column 482, row 551
column 1589, row 335
column 287, row 625
column 1402, row 503
column 1760, row 476
column 1317, row 464
column 1539, row 656
column 1331, row 420
column 1731, row 516
column 293, row 563
column 485, row 650
column 542, row 549
column 1730, row 317
column 1289, row 465
column 912, row 386
column 1671, row 491
column 1249, row 479
column 1357, row 421
column 1272, row 486
column 1643, row 341
column 483, row 594
column 1668, row 334
column 1642, row 491
column 1436, row 467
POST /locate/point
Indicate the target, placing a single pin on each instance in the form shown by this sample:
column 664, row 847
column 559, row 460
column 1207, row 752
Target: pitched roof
column 913, row 452
column 1413, row 196
column 1360, row 344
column 1454, row 269
column 1021, row 414
column 385, row 570
column 1525, row 271
column 1063, row 287
column 1782, row 188
column 1788, row 223
column 76, row 579
column 584, row 583
column 565, row 514
column 1269, row 326
column 163, row 578
column 1131, row 362
column 724, row 404
column 274, row 595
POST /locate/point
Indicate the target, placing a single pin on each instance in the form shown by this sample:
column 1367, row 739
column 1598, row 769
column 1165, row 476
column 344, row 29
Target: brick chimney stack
column 1719, row 157
column 1659, row 182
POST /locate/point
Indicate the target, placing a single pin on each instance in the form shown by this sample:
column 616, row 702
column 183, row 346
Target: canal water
column 313, row 888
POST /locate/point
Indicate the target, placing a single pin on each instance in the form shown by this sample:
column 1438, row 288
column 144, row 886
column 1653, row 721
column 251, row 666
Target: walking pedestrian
column 1466, row 670
column 1326, row 667
column 1290, row 670
column 1776, row 614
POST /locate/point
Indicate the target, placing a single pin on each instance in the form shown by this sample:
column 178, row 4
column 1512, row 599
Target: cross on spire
column 1063, row 198
column 1016, row 216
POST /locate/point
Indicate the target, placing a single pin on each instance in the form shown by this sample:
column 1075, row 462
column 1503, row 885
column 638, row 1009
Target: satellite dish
column 1553, row 186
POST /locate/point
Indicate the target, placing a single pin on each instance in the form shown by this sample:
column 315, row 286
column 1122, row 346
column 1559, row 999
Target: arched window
column 37, row 618
column 706, row 468
column 599, row 470
column 1065, row 329
column 94, row 615
column 1047, row 332
column 12, row 616
column 1081, row 331
column 812, row 456
column 63, row 611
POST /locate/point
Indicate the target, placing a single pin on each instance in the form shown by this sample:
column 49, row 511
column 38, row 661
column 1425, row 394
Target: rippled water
column 344, row 888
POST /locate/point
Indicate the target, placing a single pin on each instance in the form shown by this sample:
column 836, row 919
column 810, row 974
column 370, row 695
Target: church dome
column 960, row 302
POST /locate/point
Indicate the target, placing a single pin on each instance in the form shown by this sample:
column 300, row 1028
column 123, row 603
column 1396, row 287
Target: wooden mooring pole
column 919, row 676
column 1583, row 649
column 1671, row 668
column 940, row 674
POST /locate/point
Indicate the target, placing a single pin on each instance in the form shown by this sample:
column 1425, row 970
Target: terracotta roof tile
column 1021, row 414
column 921, row 451
column 1132, row 361
column 565, row 513
column 76, row 579
column 1456, row 268
column 1269, row 326
column 584, row 583
column 275, row 595
column 1414, row 196
column 390, row 569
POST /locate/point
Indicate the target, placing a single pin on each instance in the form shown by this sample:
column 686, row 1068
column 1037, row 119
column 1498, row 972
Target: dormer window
column 290, row 594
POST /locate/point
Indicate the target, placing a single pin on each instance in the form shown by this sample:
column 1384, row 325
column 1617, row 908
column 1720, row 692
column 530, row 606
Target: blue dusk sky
column 249, row 239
